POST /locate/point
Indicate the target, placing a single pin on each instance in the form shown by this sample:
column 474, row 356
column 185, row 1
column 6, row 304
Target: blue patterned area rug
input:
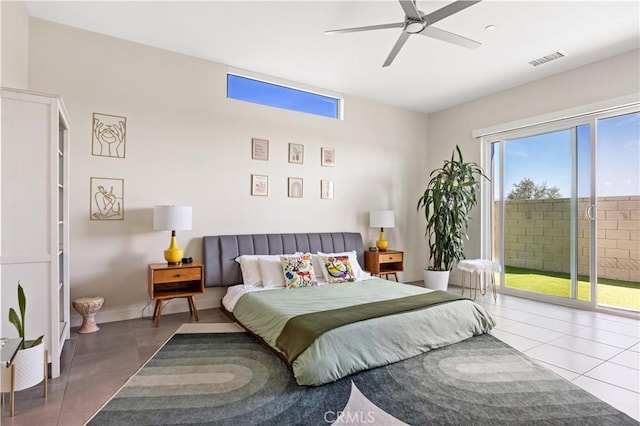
column 225, row 377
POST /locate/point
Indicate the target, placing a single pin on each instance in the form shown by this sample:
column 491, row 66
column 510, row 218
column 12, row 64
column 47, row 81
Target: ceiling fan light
column 414, row 27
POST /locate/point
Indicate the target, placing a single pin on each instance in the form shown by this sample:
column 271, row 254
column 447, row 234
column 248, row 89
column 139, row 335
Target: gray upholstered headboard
column 220, row 251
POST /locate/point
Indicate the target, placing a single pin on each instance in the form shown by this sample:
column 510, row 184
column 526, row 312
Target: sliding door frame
column 488, row 137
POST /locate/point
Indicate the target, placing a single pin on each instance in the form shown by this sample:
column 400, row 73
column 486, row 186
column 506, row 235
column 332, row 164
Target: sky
column 264, row 93
column 546, row 158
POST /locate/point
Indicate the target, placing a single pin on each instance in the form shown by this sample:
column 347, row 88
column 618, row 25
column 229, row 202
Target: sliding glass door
column 618, row 211
column 565, row 205
column 538, row 196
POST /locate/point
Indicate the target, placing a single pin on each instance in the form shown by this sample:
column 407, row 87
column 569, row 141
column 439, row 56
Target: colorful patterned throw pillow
column 338, row 269
column 298, row 270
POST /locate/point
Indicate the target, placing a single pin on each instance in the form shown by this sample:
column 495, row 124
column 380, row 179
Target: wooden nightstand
column 385, row 263
column 174, row 281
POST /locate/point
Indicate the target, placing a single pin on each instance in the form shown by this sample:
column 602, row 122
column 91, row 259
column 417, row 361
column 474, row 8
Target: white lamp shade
column 381, row 219
column 172, row 218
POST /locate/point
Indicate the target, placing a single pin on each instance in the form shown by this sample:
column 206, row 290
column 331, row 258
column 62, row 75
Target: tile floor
column 596, row 351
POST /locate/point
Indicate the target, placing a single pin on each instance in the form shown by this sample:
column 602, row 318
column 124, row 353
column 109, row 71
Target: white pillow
column 353, row 259
column 250, row 267
column 318, row 269
column 271, row 271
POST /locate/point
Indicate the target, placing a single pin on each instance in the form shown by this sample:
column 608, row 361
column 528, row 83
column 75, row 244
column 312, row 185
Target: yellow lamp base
column 382, row 244
column 173, row 255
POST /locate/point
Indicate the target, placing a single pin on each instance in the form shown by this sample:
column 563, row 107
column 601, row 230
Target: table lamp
column 172, row 218
column 381, row 219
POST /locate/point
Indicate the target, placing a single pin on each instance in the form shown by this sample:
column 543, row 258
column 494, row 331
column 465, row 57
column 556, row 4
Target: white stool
column 88, row 307
column 479, row 267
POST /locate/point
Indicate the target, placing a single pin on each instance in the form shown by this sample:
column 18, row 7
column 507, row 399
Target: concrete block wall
column 619, row 238
column 537, row 235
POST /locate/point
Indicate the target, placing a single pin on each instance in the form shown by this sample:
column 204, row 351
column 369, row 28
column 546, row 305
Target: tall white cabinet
column 34, row 216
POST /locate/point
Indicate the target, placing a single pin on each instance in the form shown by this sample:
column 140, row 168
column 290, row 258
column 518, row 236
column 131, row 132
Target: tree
column 527, row 189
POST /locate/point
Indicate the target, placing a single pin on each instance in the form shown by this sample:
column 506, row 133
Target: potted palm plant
column 30, row 362
column 450, row 195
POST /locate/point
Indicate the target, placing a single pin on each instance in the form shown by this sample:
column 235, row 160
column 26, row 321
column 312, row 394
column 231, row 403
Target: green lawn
column 621, row 294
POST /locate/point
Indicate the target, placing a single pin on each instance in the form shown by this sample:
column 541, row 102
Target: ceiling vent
column 547, row 58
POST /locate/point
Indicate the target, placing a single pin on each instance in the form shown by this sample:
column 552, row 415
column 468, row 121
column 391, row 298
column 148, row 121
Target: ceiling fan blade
column 367, row 28
column 410, row 9
column 443, row 35
column 449, row 10
column 396, row 48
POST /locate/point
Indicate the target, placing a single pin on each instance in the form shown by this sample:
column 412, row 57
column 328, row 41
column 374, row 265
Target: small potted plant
column 30, row 362
column 450, row 195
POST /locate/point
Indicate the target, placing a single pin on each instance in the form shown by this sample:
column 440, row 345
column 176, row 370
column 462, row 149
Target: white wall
column 610, row 78
column 188, row 144
column 15, row 43
column 2, row 313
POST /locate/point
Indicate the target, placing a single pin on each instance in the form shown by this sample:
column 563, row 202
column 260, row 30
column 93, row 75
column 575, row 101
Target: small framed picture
column 295, row 187
column 260, row 149
column 259, row 185
column 326, row 189
column 106, row 200
column 296, row 153
column 109, row 135
column 328, row 156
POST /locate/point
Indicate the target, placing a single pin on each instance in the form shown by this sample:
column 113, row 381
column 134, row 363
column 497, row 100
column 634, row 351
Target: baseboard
column 145, row 310
column 407, row 278
column 174, row 306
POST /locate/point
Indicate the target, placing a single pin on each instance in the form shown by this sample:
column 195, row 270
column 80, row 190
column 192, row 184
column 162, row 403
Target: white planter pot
column 436, row 280
column 29, row 365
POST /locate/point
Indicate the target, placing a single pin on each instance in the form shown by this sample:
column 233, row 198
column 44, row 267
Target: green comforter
column 361, row 345
column 301, row 331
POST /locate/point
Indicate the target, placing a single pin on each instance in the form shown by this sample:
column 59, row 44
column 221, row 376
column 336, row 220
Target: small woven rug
column 216, row 374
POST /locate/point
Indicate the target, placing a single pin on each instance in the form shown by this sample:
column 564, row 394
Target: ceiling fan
column 416, row 22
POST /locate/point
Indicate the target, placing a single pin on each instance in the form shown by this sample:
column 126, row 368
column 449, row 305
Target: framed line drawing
column 260, row 185
column 109, row 135
column 260, row 149
column 326, row 189
column 295, row 187
column 328, row 156
column 106, row 200
column 296, row 153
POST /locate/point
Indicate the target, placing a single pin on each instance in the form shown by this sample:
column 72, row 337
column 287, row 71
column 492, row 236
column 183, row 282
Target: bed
column 271, row 314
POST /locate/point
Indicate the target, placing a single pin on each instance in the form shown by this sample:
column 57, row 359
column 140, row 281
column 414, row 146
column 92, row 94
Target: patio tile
column 566, row 374
column 534, row 332
column 629, row 359
column 512, row 314
column 606, row 337
column 618, row 375
column 558, row 325
column 587, row 347
column 518, row 342
column 563, row 358
column 538, row 308
column 622, row 399
column 574, row 316
column 616, row 318
column 617, row 327
column 502, row 323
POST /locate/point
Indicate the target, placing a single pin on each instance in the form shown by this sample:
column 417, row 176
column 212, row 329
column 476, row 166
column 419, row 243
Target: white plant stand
column 27, row 369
